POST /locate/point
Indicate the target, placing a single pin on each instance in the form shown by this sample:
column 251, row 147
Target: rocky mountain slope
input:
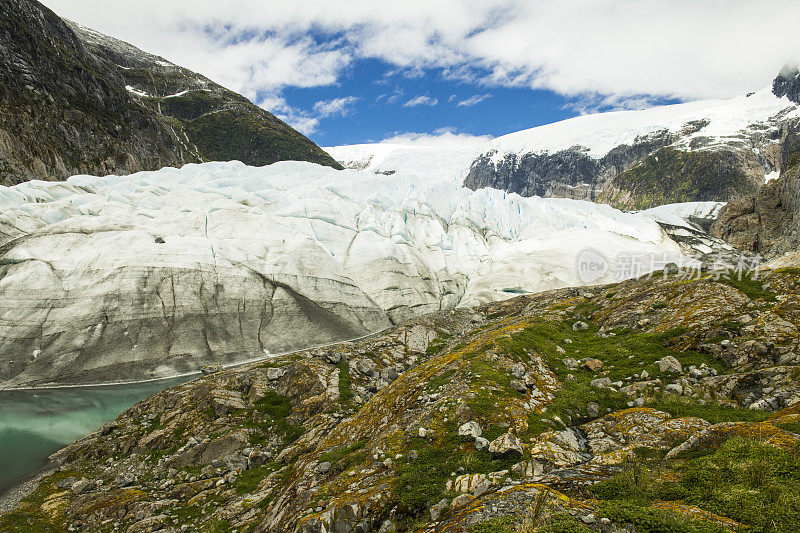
column 659, row 404
column 160, row 273
column 714, row 150
column 767, row 222
column 73, row 101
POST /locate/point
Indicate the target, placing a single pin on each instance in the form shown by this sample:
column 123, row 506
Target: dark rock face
column 64, row 111
column 568, row 173
column 787, row 83
column 64, row 108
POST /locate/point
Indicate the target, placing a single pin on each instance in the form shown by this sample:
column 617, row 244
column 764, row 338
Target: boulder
column 461, row 500
column 601, row 383
column 592, row 365
column 518, row 385
column 506, row 445
column 274, row 374
column 470, row 429
column 437, row 510
column 670, row 364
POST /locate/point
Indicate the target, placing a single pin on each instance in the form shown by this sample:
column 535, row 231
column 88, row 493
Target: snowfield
column 159, row 273
column 431, row 163
column 597, row 134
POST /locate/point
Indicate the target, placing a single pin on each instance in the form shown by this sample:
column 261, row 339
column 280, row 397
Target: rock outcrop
column 73, row 101
column 787, row 83
column 767, row 222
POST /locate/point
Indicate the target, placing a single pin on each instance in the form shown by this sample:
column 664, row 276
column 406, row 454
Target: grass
column 679, row 406
column 248, row 480
column 489, row 385
column 29, row 517
column 745, row 480
column 439, row 381
column 337, row 455
column 562, row 523
column 271, row 413
column 422, row 481
column 626, row 353
column 750, row 286
column 345, row 383
column 649, row 520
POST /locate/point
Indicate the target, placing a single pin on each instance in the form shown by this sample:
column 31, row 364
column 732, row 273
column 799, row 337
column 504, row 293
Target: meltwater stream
column 36, row 423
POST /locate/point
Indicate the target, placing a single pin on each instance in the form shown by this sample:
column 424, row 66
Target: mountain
column 646, row 405
column 160, row 273
column 713, row 150
column 73, row 101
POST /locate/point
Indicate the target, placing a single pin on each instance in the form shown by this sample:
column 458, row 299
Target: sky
column 357, row 71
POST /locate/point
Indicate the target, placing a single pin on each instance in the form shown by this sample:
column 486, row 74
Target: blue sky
column 379, row 102
column 348, row 72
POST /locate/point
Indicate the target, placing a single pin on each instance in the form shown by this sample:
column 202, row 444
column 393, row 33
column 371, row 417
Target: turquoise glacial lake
column 36, row 423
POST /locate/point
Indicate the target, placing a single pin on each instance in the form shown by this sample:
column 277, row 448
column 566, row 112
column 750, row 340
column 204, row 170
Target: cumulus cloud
column 590, row 103
column 472, row 100
column 421, row 100
column 336, row 107
column 299, row 119
column 442, row 137
column 677, row 48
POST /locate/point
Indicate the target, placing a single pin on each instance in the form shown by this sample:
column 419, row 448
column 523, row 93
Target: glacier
column 156, row 274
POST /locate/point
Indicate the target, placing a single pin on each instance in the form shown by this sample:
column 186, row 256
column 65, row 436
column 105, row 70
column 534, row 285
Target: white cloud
column 681, row 48
column 473, row 100
column 299, row 119
column 596, row 103
column 421, row 100
column 336, row 107
column 442, row 137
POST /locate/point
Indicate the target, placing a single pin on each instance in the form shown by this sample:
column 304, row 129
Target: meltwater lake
column 36, row 423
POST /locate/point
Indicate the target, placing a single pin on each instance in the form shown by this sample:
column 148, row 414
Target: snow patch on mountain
column 685, row 214
column 599, row 133
column 432, row 163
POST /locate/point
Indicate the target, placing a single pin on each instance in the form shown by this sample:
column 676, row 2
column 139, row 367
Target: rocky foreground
column 661, row 404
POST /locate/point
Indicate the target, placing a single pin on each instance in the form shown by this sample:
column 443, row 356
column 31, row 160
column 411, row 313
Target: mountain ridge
column 65, row 109
column 624, row 157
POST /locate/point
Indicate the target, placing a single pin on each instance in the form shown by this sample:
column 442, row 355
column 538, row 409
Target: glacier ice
column 159, row 273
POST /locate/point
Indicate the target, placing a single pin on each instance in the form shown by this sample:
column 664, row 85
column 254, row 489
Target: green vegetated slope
column 662, row 404
column 65, row 109
column 670, row 175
